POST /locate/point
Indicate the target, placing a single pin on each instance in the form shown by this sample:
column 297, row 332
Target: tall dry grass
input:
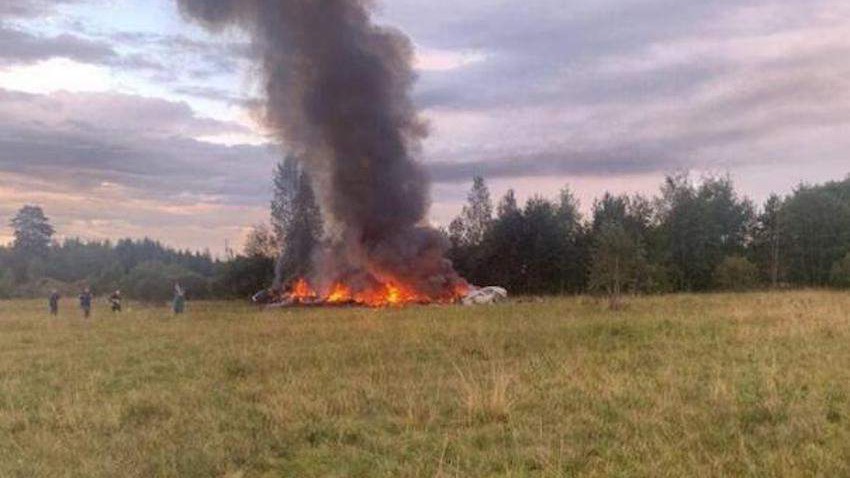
column 714, row 385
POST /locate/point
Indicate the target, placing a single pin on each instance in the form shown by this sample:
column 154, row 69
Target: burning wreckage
column 337, row 95
column 301, row 294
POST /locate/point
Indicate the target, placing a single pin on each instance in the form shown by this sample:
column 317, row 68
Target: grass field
column 735, row 385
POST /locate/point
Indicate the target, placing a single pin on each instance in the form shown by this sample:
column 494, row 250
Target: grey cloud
column 84, row 140
column 548, row 51
column 199, row 59
column 727, row 83
column 218, row 94
column 601, row 87
column 746, row 118
column 140, row 62
column 30, row 8
column 155, row 53
column 536, row 58
column 110, row 113
column 691, row 137
column 22, row 47
column 112, row 213
column 563, row 163
column 161, row 170
column 207, row 48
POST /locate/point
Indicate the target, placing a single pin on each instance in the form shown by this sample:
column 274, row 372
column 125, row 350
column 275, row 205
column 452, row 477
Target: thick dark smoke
column 338, row 92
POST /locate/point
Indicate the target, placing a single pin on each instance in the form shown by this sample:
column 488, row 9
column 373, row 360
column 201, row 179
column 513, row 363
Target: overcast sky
column 121, row 119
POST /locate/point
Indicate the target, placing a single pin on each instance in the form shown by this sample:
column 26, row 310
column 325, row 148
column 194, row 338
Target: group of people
column 86, row 299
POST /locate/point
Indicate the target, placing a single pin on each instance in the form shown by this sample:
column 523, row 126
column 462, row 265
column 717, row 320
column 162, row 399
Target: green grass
column 734, row 385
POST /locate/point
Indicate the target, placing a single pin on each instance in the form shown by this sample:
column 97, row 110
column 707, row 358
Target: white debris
column 485, row 295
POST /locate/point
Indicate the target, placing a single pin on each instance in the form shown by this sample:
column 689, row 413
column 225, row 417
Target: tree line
column 693, row 236
column 35, row 263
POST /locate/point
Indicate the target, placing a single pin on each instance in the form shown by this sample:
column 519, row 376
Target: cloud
column 590, row 80
column 562, row 163
column 110, row 211
column 218, row 94
column 24, row 48
column 21, row 47
column 199, row 59
column 437, row 60
column 543, row 51
column 147, row 146
column 106, row 165
column 605, row 88
column 30, row 8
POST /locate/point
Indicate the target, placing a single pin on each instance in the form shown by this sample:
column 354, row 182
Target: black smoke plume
column 337, row 92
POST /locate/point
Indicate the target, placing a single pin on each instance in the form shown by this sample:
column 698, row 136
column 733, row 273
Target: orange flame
column 390, row 294
column 387, row 294
column 340, row 293
column 302, row 291
column 460, row 290
column 394, row 294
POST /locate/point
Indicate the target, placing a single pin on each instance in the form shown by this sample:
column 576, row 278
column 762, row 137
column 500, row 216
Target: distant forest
column 695, row 235
column 143, row 269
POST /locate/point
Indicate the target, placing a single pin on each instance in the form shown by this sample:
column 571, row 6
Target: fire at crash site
column 338, row 93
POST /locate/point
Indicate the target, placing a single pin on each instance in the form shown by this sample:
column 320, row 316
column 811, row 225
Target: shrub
column 736, row 273
column 658, row 280
column 7, row 285
column 154, row 282
column 41, row 288
column 617, row 264
column 242, row 277
column 840, row 276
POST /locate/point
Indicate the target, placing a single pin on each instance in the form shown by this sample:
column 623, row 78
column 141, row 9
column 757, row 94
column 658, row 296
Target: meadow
column 687, row 385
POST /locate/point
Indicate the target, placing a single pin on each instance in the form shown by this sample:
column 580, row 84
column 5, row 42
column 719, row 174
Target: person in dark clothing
column 85, row 302
column 54, row 303
column 115, row 301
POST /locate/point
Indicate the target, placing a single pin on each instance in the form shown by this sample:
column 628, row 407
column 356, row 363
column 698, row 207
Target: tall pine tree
column 286, row 178
column 301, row 232
column 467, row 232
column 33, row 232
column 475, row 219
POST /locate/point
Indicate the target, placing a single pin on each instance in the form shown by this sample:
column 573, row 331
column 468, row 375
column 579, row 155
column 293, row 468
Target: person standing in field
column 115, row 301
column 85, row 302
column 179, row 303
column 54, row 303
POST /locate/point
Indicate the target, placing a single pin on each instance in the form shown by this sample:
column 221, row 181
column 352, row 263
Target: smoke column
column 338, row 92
